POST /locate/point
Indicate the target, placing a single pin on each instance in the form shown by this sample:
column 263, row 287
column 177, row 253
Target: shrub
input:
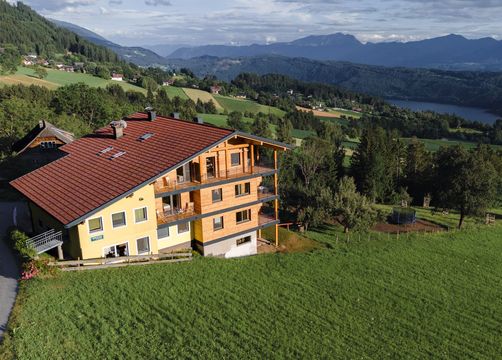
column 18, row 240
column 38, row 267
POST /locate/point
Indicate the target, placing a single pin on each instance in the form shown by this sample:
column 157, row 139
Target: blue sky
column 196, row 22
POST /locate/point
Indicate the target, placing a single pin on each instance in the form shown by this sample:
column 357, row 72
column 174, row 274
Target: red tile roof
column 83, row 181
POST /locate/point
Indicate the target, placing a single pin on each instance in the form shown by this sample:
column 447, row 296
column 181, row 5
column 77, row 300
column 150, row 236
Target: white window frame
column 120, row 243
column 149, row 245
column 95, row 231
column 183, row 232
column 134, row 214
column 125, row 219
column 165, row 237
column 222, row 223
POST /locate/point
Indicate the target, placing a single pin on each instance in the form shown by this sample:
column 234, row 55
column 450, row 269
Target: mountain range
column 453, row 52
column 135, row 54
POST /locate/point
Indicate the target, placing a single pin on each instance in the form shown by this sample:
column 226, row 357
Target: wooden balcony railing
column 175, row 214
column 234, row 173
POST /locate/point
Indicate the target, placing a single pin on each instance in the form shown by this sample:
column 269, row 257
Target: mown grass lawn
column 232, row 104
column 56, row 78
column 426, row 296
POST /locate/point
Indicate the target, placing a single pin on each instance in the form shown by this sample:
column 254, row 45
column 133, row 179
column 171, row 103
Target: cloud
column 57, row 5
column 158, row 2
column 115, row 2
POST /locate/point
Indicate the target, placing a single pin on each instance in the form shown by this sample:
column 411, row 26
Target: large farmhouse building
column 150, row 184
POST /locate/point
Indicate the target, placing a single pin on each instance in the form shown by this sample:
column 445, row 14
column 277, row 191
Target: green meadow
column 233, row 104
column 371, row 296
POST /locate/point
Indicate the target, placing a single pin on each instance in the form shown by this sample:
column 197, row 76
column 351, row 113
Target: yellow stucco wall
column 93, row 244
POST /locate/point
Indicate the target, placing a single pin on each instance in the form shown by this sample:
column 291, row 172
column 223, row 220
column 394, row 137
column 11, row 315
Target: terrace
column 192, row 178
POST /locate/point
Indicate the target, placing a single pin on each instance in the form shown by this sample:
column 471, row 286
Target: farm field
column 204, row 96
column 173, row 91
column 434, row 145
column 422, row 296
column 56, row 78
column 220, row 119
column 332, row 113
column 232, row 104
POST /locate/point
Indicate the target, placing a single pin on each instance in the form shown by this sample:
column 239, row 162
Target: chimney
column 198, row 120
column 151, row 113
column 175, row 115
column 41, row 124
column 118, row 128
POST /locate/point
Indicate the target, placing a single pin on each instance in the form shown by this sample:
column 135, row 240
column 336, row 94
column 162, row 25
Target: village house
column 117, row 77
column 40, row 145
column 149, row 184
column 215, row 89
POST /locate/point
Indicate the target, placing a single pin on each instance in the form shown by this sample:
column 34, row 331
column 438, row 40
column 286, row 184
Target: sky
column 239, row 22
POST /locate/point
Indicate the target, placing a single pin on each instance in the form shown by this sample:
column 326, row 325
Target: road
column 9, row 269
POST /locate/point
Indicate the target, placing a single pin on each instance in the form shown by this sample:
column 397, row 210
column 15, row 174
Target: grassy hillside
column 434, row 296
column 220, row 119
column 56, row 78
column 173, row 91
column 204, row 96
column 232, row 104
column 434, row 145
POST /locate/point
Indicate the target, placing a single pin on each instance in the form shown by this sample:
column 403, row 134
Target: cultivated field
column 56, row 78
column 331, row 113
column 220, row 119
column 173, row 91
column 204, row 96
column 434, row 145
column 233, row 104
column 419, row 296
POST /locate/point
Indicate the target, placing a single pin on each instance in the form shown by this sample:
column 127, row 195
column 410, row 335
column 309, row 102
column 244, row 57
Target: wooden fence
column 102, row 263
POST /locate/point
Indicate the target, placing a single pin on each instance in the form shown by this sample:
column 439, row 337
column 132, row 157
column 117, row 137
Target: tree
column 372, row 164
column 148, row 83
column 260, row 127
column 417, row 169
column 41, row 72
column 354, row 211
column 464, row 181
column 284, row 129
column 235, row 121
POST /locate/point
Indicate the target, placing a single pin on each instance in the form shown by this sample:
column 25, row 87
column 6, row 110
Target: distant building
column 78, row 65
column 117, row 77
column 241, row 96
column 290, row 92
column 28, row 62
column 67, row 68
column 215, row 89
column 168, row 82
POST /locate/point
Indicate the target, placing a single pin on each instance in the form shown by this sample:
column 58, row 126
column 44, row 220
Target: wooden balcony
column 180, row 184
column 171, row 215
column 265, row 219
column 265, row 192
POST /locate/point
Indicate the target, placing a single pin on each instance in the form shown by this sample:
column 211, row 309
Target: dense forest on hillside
column 32, row 33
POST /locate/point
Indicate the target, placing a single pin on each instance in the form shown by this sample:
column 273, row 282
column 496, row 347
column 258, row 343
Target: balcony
column 182, row 183
column 265, row 192
column 266, row 219
column 169, row 215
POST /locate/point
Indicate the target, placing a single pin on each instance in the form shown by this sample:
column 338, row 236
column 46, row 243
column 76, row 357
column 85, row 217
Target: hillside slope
column 137, row 55
column 31, row 33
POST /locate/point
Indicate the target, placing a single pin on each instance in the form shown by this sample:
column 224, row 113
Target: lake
column 469, row 113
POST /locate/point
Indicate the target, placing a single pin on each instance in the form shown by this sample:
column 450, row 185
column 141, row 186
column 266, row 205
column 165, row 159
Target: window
column 119, row 219
column 243, row 240
column 48, row 144
column 95, row 225
column 141, row 215
column 143, row 245
column 235, row 159
column 183, row 228
column 217, row 195
column 218, row 223
column 243, row 216
column 162, row 233
column 242, row 189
